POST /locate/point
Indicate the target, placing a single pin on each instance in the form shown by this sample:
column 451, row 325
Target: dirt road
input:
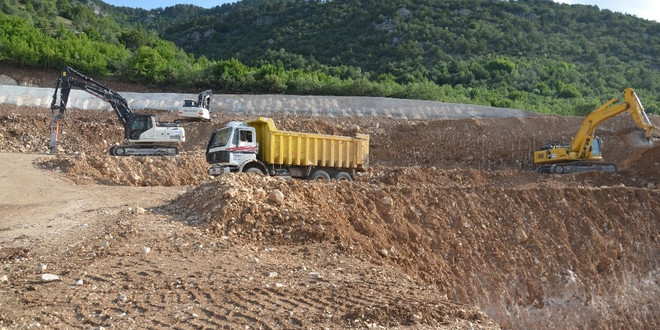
column 43, row 203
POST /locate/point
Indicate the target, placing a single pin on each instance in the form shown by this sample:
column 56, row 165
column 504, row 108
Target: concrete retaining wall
column 267, row 104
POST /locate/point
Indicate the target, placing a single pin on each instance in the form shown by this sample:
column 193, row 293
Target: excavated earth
column 449, row 228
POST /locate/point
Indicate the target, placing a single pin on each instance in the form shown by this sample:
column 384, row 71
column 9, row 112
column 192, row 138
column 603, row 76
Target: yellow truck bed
column 308, row 149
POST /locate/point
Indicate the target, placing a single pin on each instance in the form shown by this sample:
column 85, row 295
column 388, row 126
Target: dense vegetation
column 528, row 54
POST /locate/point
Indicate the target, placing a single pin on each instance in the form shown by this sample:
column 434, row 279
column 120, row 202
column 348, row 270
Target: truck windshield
column 221, row 137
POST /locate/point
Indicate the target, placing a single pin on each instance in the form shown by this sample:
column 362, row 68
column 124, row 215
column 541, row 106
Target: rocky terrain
column 450, row 228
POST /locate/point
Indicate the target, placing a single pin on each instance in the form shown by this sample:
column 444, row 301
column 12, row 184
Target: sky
column 151, row 4
column 648, row 9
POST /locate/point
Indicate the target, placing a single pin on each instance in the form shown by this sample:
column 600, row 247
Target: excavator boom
column 71, row 78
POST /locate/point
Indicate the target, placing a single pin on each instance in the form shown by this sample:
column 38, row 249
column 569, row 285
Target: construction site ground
column 449, row 228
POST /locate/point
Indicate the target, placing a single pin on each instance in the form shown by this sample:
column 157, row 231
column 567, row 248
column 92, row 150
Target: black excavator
column 143, row 135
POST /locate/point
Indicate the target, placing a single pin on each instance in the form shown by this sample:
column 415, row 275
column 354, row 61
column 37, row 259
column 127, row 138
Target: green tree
column 147, row 65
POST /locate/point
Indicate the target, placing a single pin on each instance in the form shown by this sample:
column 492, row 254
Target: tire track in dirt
column 182, row 290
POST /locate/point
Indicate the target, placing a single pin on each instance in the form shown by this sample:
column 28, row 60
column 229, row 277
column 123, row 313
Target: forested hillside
column 530, row 54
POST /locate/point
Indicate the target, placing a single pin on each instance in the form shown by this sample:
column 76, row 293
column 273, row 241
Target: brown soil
column 450, row 228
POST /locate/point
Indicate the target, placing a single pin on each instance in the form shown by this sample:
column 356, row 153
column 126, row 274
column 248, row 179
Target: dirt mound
column 187, row 169
column 457, row 228
column 646, row 164
column 189, row 279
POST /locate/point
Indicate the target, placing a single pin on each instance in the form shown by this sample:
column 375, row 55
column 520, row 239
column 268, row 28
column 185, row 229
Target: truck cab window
column 246, row 136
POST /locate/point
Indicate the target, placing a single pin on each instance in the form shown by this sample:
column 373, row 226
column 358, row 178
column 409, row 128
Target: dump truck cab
column 231, row 148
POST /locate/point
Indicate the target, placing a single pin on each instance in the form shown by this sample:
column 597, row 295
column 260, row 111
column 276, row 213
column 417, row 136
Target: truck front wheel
column 254, row 170
column 319, row 175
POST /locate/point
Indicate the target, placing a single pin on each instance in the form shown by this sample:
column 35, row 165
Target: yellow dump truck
column 257, row 146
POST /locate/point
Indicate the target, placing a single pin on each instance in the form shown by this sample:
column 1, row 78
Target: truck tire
column 254, row 170
column 319, row 175
column 343, row 176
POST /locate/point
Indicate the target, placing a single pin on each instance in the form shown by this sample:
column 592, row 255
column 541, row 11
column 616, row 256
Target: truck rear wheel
column 343, row 176
column 319, row 175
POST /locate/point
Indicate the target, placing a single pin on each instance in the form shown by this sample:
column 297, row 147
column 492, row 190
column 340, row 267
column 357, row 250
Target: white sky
column 152, row 4
column 648, row 9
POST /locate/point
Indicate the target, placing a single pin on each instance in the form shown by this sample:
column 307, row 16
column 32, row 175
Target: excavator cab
column 596, row 147
column 139, row 124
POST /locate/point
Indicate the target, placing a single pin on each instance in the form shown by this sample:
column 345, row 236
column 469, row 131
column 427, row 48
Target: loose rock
column 49, row 278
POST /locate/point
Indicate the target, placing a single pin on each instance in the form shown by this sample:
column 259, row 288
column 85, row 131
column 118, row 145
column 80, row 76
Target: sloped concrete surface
column 340, row 106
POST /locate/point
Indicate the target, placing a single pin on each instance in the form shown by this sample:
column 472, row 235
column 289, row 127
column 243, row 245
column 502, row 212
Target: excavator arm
column 631, row 103
column 204, row 99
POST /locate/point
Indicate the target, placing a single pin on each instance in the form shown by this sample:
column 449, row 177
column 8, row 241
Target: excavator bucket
column 640, row 138
column 637, row 139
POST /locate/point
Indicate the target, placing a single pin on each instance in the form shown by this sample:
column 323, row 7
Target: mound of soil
column 187, row 169
column 457, row 228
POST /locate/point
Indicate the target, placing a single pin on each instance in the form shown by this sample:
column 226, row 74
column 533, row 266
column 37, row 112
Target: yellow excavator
column 584, row 153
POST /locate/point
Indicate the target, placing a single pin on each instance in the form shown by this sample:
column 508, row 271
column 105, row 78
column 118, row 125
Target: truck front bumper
column 217, row 170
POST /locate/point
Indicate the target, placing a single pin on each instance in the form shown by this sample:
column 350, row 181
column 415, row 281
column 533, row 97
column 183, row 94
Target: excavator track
column 577, row 167
column 133, row 150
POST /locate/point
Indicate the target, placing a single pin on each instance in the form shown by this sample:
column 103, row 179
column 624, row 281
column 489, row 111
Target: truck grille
column 217, row 157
